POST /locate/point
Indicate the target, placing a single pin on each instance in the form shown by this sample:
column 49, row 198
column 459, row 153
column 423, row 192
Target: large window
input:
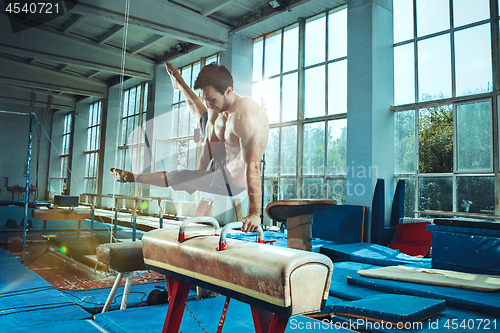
column 92, row 151
column 444, row 95
column 304, row 92
column 132, row 139
column 65, row 152
column 184, row 124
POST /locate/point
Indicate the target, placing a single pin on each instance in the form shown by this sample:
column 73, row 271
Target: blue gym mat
column 92, row 300
column 451, row 320
column 483, row 302
column 339, row 287
column 372, row 254
column 27, row 299
column 82, row 326
column 207, row 311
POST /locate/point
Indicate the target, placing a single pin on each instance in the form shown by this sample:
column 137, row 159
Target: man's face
column 214, row 100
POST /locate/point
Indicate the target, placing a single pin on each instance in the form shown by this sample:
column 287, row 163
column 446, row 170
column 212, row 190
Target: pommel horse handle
column 237, row 225
column 205, row 219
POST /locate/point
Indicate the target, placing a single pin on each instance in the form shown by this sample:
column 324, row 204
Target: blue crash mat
column 483, row 302
column 93, row 300
column 7, row 255
column 83, row 326
column 339, row 287
column 452, row 320
column 207, row 311
column 14, row 276
column 372, row 254
column 389, row 307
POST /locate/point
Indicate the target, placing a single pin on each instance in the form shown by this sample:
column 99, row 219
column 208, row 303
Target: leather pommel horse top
column 281, row 280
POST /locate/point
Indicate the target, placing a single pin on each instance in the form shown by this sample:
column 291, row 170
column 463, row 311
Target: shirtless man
column 237, row 124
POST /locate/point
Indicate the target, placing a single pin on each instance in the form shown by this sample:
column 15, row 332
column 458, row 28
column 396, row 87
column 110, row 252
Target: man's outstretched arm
column 196, row 106
column 156, row 178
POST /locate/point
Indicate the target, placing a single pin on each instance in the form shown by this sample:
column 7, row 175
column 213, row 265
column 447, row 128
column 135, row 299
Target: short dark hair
column 214, row 75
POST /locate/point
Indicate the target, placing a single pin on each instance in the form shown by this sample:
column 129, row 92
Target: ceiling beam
column 92, row 74
column 65, row 49
column 214, row 6
column 72, row 23
column 198, row 9
column 138, row 48
column 109, row 34
column 35, row 76
column 243, row 5
column 160, row 17
column 20, row 95
column 174, row 54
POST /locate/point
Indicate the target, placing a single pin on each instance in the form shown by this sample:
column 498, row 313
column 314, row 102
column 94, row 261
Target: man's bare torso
column 223, row 129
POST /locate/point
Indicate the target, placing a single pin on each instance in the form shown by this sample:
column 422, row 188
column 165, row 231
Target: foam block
column 392, row 308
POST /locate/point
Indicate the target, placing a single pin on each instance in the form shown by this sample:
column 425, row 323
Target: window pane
column 473, row 60
column 272, row 153
column 403, row 20
column 258, row 92
column 336, row 190
column 432, row 16
column 314, row 149
column 409, row 196
column 289, row 150
column 337, row 147
column 435, row 193
column 474, row 137
column 272, row 99
column 288, row 188
column 291, row 49
column 435, row 135
column 257, row 59
column 404, row 142
column 404, row 74
column 186, row 75
column 315, row 40
column 289, row 110
column 315, row 92
column 337, row 34
column 434, row 68
column 196, row 71
column 131, row 102
column 183, row 120
column 337, row 87
column 272, row 54
column 464, row 12
column 175, row 122
column 312, row 188
column 476, row 194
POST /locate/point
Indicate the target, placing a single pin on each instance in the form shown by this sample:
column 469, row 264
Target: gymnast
column 235, row 131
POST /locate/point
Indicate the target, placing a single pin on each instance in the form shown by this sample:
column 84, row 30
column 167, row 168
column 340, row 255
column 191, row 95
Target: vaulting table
column 298, row 215
column 277, row 282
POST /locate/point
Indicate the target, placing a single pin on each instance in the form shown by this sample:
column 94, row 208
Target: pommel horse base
column 276, row 282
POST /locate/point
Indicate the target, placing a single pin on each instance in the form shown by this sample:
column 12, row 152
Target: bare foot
column 122, row 176
column 175, row 76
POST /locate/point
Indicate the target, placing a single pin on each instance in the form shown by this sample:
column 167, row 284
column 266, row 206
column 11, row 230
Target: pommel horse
column 277, row 282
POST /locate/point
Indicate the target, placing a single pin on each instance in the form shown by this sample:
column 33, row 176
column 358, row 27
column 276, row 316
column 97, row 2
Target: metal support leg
column 115, row 224
column 92, row 220
column 265, row 321
column 128, row 283
column 178, row 293
column 113, row 292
